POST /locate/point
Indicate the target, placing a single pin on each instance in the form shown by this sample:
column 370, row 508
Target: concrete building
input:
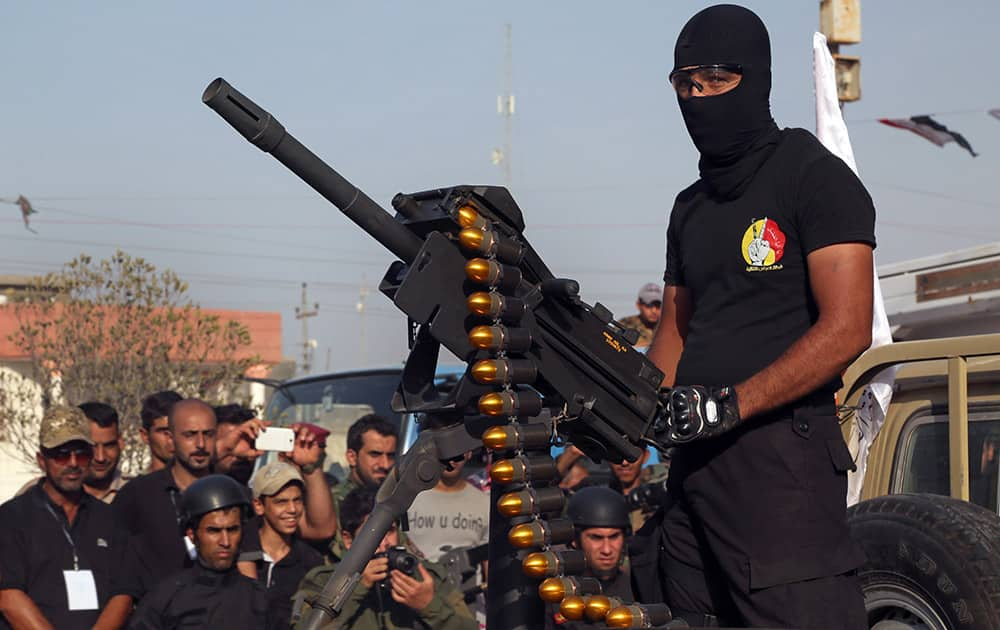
column 947, row 295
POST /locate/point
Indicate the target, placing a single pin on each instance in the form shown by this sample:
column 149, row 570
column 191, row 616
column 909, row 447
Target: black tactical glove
column 694, row 412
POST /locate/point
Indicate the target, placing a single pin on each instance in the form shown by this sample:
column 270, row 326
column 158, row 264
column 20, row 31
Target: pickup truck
column 928, row 519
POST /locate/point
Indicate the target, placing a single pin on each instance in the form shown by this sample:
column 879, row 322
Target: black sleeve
column 13, row 551
column 124, row 507
column 673, row 274
column 250, row 539
column 833, row 206
column 128, row 579
column 147, row 616
column 121, row 577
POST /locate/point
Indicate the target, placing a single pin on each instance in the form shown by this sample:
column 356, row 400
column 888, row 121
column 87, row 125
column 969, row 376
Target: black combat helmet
column 596, row 506
column 211, row 493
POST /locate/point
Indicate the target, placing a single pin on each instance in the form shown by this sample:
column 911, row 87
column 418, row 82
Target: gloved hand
column 695, row 412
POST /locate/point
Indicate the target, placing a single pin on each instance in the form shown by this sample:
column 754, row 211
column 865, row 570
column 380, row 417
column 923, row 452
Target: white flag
column 832, row 132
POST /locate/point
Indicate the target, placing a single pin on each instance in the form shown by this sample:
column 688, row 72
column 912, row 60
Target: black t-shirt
column 201, row 598
column 34, row 552
column 281, row 579
column 149, row 508
column 744, row 260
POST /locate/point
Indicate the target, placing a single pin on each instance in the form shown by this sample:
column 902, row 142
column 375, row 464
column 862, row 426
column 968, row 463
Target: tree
column 114, row 331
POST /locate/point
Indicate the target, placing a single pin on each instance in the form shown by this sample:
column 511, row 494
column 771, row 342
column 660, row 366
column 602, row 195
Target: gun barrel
column 266, row 133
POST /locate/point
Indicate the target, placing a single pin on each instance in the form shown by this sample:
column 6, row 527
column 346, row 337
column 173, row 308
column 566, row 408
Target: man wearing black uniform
column 602, row 522
column 212, row 593
column 149, row 506
column 60, row 547
column 601, row 518
column 768, row 298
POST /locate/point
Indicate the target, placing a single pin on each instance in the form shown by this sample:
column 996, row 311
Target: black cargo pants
column 757, row 532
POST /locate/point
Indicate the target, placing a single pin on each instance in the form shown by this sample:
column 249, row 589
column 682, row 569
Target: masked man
column 767, row 299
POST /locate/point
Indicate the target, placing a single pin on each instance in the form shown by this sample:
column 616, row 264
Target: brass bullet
column 620, row 617
column 572, row 607
column 552, row 590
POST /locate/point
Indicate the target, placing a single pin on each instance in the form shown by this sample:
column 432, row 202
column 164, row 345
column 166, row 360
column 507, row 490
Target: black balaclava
column 734, row 132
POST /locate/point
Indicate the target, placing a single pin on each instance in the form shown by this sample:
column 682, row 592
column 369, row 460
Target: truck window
column 334, row 402
column 922, row 458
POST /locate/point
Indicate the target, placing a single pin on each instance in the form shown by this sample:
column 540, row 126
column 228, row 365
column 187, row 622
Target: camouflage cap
column 62, row 424
column 270, row 479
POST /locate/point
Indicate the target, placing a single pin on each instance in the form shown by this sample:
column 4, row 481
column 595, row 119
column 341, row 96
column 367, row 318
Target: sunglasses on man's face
column 653, row 304
column 706, row 80
column 64, row 456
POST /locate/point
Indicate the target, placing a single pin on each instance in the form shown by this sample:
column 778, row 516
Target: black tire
column 933, row 562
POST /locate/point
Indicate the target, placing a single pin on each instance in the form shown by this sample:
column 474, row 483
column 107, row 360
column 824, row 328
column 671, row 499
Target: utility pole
column 302, row 313
column 840, row 22
column 505, row 107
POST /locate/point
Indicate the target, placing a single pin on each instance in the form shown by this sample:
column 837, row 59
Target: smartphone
column 275, row 439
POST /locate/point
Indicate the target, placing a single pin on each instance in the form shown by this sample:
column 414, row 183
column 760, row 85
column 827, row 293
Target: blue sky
column 105, row 132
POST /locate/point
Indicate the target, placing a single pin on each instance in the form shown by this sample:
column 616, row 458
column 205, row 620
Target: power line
column 178, row 250
column 186, row 228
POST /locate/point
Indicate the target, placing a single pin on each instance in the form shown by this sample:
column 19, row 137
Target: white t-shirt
column 453, row 519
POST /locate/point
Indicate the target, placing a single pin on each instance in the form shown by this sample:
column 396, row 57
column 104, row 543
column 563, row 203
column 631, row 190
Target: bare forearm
column 567, row 459
column 816, row 358
column 320, row 519
column 668, row 340
column 21, row 611
column 664, row 352
column 115, row 613
column 841, row 280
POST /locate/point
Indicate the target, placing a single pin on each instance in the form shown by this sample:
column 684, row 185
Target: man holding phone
column 297, row 445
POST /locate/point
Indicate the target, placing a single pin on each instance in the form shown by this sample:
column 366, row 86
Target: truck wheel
column 933, row 563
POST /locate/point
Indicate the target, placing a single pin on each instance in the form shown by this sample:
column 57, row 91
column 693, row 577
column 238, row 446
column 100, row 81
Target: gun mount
column 468, row 280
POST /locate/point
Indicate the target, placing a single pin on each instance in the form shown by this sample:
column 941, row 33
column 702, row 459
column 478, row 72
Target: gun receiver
column 504, row 302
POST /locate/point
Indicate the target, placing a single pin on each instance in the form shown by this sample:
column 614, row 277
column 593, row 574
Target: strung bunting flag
column 930, row 129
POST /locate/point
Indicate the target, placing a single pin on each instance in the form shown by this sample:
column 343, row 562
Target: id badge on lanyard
column 81, row 590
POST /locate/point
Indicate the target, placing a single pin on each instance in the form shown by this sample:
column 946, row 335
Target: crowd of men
column 202, row 539
column 183, row 543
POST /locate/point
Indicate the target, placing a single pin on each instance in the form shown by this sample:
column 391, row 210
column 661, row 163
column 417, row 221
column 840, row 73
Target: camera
column 399, row 559
column 648, row 496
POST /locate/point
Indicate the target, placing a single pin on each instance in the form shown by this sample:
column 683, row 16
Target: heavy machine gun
column 468, row 280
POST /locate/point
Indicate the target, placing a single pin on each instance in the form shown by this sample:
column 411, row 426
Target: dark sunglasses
column 654, row 304
column 63, row 456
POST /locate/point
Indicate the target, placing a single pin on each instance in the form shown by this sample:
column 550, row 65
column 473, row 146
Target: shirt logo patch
column 101, row 542
column 763, row 245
